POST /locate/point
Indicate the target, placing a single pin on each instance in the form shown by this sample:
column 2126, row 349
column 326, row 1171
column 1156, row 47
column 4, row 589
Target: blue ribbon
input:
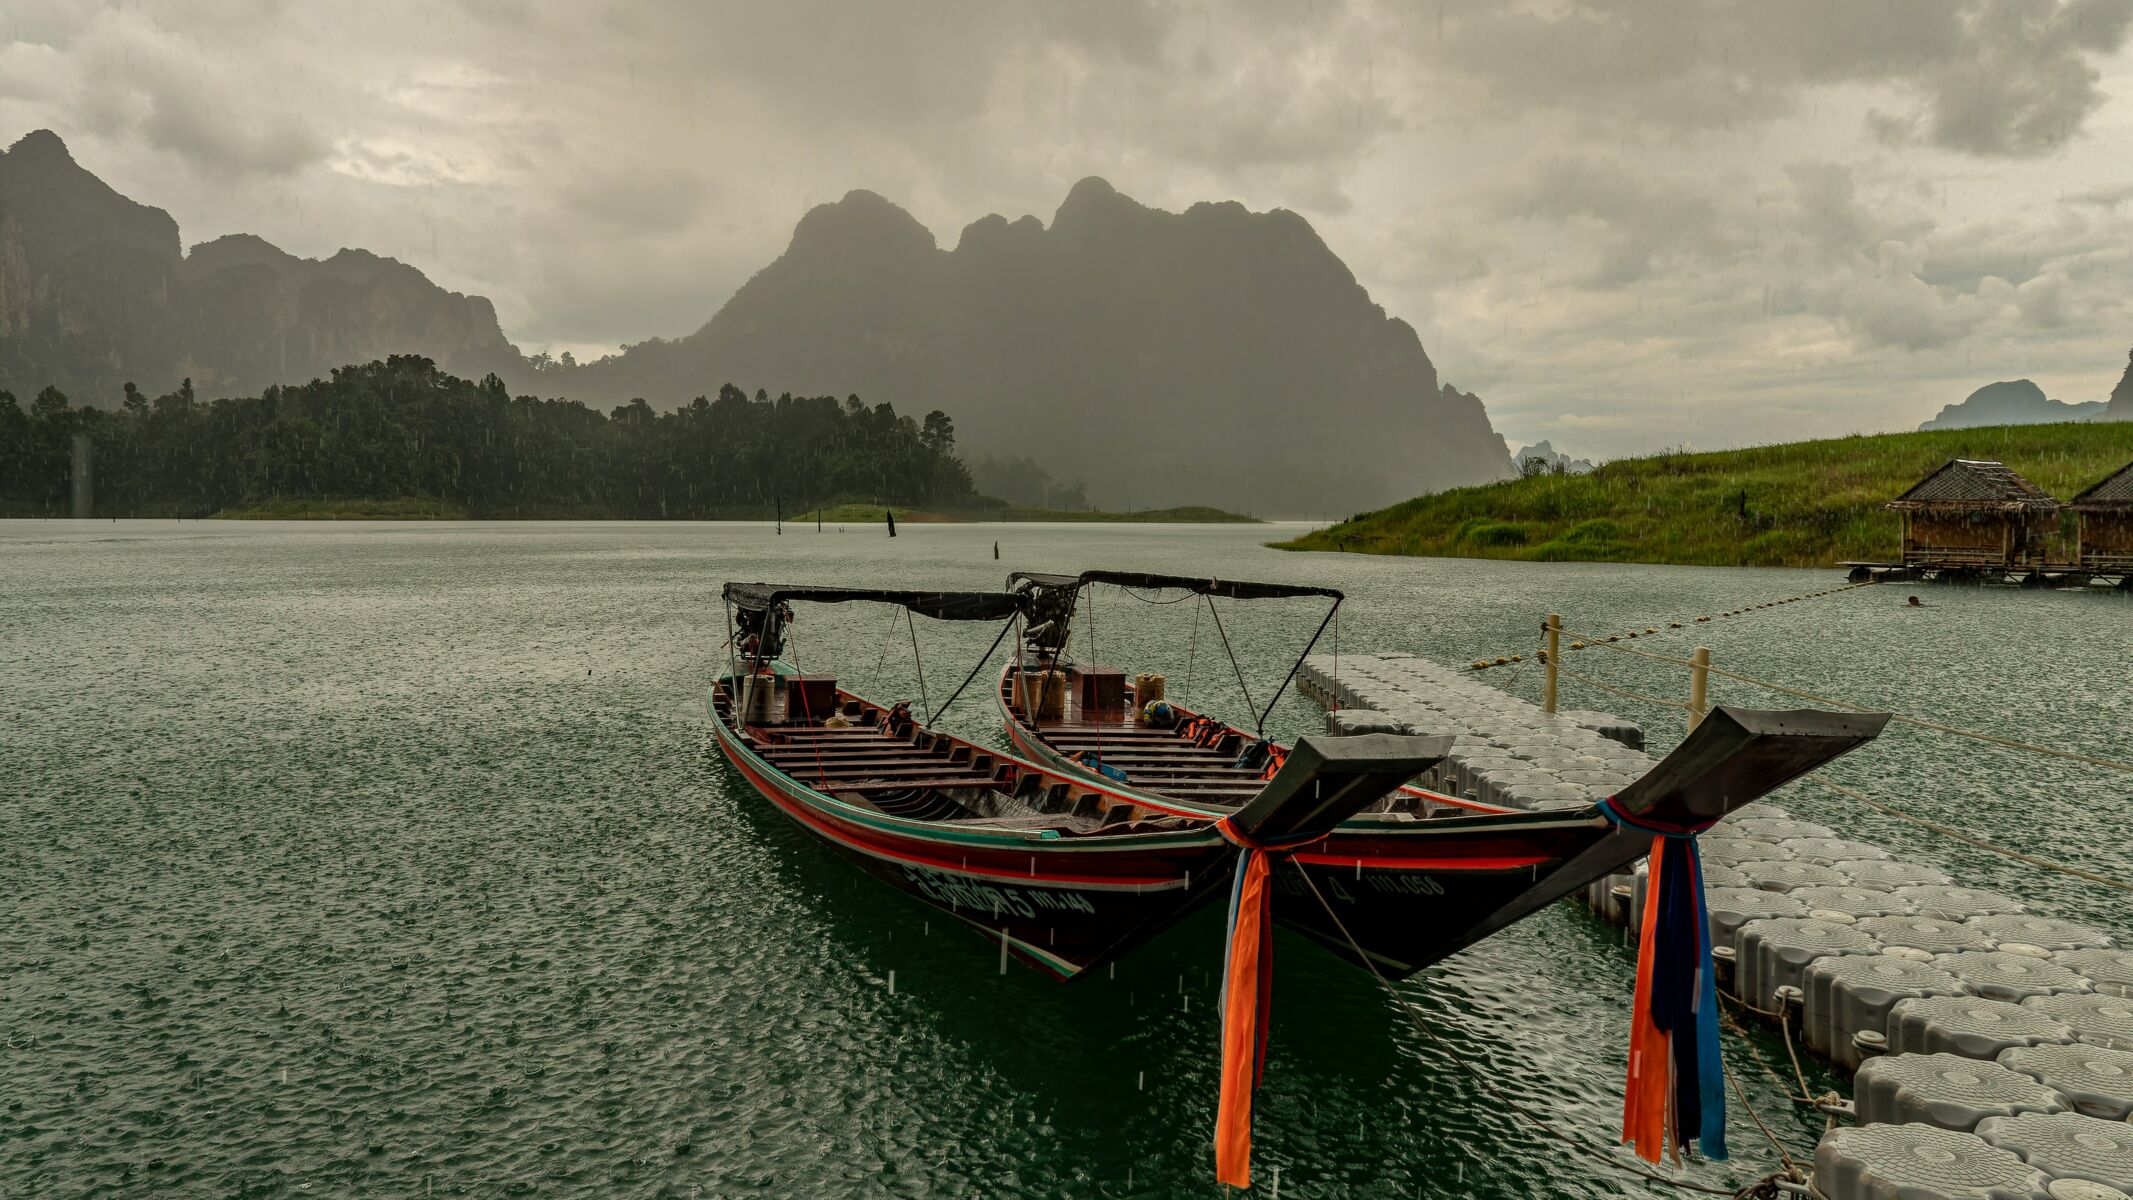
column 1684, row 997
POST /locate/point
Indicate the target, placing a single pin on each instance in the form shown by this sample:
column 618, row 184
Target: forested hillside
column 403, row 431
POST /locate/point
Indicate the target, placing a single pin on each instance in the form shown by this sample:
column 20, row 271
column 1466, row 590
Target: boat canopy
column 1232, row 589
column 942, row 606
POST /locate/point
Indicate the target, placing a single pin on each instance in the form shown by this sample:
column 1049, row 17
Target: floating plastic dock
column 1993, row 1046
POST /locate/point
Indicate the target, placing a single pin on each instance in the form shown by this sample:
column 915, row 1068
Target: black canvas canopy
column 941, row 606
column 1231, row 589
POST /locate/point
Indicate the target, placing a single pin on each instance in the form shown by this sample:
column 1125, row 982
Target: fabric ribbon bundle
column 1676, row 1088
column 1247, row 998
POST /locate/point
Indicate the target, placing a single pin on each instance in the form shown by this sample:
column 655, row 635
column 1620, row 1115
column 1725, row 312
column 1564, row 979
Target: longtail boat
column 1068, row 867
column 1063, row 872
column 1416, row 875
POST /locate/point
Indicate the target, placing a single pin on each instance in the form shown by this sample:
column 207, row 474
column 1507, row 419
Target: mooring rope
column 1543, row 1125
column 1587, row 640
column 1624, row 692
column 1892, row 810
column 1968, row 840
column 1903, row 718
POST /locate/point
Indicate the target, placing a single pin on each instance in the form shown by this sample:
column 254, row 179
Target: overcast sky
column 1627, row 225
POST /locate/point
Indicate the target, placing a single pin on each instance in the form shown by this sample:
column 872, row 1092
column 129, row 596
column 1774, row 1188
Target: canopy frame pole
column 1191, row 648
column 1295, row 667
column 953, row 696
column 918, row 661
column 1249, row 703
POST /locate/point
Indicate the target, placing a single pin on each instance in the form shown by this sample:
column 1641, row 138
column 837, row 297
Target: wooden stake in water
column 892, row 983
column 1003, row 950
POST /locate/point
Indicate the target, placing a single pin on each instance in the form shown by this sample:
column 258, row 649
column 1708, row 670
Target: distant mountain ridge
column 2009, row 402
column 1214, row 356
column 95, row 292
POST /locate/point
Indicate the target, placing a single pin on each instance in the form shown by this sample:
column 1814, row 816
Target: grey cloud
column 1614, row 219
column 1990, row 77
column 2026, row 83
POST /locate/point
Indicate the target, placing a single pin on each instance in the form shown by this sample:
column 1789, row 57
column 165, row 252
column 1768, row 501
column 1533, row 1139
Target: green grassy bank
column 1791, row 505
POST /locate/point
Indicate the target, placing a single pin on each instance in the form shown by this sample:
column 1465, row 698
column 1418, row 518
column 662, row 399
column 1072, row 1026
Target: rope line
column 1482, row 664
column 1900, row 814
column 1968, row 840
column 1608, row 687
column 1407, row 1009
column 1904, row 718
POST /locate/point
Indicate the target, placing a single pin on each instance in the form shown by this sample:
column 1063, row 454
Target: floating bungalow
column 2104, row 542
column 1972, row 515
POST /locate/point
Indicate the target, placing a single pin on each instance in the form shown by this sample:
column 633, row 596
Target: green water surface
column 373, row 859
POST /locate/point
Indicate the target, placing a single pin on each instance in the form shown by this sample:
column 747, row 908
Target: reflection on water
column 357, row 858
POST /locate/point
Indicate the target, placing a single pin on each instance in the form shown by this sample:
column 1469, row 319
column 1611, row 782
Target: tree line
column 403, row 429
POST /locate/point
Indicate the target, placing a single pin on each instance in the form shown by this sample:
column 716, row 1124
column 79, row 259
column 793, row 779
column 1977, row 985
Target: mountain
column 2014, row 402
column 2120, row 407
column 1551, row 460
column 95, row 293
column 1216, row 356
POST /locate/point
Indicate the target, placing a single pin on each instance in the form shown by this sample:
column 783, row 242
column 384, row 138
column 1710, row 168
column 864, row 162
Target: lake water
column 397, row 859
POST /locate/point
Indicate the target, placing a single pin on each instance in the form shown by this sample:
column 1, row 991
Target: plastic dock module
column 1998, row 975
column 1919, row 1162
column 1953, row 903
column 1953, row 1004
column 1852, row 901
column 2096, row 1081
column 1848, row 993
column 1775, row 829
column 1774, row 953
column 2067, row 1146
column 1784, row 875
column 1734, row 851
column 2050, row 933
column 1831, row 850
column 1761, row 810
column 1946, row 1090
column 2108, row 971
column 1716, row 876
column 1887, row 874
column 1970, row 1026
column 1731, row 908
column 2096, row 1019
column 1930, row 934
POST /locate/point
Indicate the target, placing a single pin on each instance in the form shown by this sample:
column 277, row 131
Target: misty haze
column 1103, row 598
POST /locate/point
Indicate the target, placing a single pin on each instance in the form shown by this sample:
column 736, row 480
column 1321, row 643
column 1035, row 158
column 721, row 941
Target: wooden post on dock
column 1699, row 682
column 1555, row 648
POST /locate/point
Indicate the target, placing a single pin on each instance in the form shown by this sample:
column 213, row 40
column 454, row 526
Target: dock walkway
column 1992, row 1048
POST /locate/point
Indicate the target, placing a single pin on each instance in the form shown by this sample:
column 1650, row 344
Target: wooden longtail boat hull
column 1398, row 892
column 1060, row 904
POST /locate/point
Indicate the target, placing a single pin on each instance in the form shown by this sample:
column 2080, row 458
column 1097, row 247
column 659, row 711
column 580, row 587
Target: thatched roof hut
column 2105, row 515
column 1975, row 514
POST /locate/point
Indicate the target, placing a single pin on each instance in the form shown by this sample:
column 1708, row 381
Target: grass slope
column 1791, row 505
